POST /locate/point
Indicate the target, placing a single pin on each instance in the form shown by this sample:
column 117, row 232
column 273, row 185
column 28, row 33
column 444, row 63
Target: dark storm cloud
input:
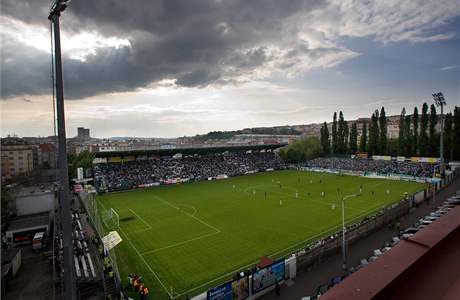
column 195, row 42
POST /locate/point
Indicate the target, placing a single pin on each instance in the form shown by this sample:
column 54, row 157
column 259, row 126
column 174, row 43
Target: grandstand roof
column 425, row 266
column 201, row 150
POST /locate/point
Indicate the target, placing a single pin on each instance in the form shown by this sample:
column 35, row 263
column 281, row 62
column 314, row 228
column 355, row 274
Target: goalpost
column 115, row 216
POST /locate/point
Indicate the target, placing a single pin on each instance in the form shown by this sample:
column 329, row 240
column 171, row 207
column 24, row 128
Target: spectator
column 133, row 174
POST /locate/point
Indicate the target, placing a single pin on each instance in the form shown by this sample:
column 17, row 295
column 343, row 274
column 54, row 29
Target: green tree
column 415, row 149
column 401, row 136
column 448, row 137
column 363, row 139
column 456, row 134
column 383, row 132
column 393, row 147
column 302, row 150
column 433, row 137
column 340, row 134
column 409, row 138
column 373, row 147
column 423, row 137
column 325, row 142
column 354, row 138
column 334, row 134
column 346, row 134
column 83, row 160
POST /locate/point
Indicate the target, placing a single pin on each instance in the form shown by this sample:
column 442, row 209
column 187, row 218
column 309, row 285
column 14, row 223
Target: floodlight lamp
column 439, row 99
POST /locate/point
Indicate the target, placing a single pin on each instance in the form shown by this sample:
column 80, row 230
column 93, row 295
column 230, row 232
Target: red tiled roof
column 47, row 147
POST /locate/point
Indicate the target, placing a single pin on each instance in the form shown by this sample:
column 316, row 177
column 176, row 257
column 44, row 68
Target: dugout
column 126, row 156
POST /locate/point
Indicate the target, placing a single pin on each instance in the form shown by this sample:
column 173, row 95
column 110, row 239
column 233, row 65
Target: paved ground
column 34, row 279
column 306, row 283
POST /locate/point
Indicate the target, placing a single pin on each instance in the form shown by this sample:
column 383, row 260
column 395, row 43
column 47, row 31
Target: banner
column 267, row 276
column 100, row 160
column 241, row 288
column 232, row 290
column 222, row 292
column 111, row 240
column 381, row 157
column 431, row 160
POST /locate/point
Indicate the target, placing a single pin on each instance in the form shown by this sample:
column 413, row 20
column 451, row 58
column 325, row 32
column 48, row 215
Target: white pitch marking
column 142, row 258
column 186, row 213
column 180, row 243
column 148, row 225
column 278, row 252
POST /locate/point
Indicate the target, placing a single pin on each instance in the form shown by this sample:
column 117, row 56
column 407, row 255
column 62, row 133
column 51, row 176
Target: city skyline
column 225, row 65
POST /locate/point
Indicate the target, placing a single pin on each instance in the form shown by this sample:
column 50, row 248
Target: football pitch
column 187, row 238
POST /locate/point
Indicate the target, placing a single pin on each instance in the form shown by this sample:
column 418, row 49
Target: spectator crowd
column 417, row 169
column 132, row 174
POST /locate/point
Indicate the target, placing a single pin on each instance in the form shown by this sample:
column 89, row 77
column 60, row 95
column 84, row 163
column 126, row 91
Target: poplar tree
column 448, row 137
column 433, row 137
column 363, row 139
column 383, row 147
column 374, row 133
column 423, row 136
column 325, row 142
column 408, row 134
column 340, row 134
column 346, row 135
column 354, row 138
column 401, row 136
column 334, row 133
column 415, row 149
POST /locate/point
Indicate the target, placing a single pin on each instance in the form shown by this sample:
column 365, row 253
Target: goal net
column 110, row 218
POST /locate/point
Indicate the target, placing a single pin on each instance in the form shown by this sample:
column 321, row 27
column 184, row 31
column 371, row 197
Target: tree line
column 418, row 135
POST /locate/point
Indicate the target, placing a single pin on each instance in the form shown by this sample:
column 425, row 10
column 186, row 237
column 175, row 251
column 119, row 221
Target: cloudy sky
column 173, row 68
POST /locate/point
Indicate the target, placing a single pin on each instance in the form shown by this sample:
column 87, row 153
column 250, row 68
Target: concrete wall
column 16, row 262
column 33, row 204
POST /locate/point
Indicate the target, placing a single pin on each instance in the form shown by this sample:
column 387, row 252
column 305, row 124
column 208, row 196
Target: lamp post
column 441, row 101
column 70, row 286
column 344, row 254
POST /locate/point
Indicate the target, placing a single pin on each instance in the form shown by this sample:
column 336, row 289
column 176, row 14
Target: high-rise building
column 83, row 133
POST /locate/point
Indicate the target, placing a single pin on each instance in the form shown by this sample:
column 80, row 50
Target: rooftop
column 27, row 191
column 424, row 266
column 17, row 223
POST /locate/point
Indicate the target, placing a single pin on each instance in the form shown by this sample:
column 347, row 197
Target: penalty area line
column 188, row 214
column 180, row 243
column 143, row 259
column 139, row 217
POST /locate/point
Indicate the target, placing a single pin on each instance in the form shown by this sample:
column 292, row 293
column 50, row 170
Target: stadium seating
column 133, row 174
column 418, row 169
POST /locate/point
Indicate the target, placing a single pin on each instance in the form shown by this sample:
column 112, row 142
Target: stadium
column 190, row 220
column 230, row 150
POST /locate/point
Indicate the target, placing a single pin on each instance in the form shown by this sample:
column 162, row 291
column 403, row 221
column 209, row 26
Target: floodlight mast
column 70, row 288
column 441, row 101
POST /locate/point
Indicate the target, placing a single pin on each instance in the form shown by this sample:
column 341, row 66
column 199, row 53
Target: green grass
column 190, row 237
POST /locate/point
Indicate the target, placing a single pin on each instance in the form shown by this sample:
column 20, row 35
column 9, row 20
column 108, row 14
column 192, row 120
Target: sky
column 151, row 68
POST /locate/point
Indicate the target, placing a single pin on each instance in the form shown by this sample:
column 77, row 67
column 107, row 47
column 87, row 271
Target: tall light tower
column 440, row 101
column 70, row 287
